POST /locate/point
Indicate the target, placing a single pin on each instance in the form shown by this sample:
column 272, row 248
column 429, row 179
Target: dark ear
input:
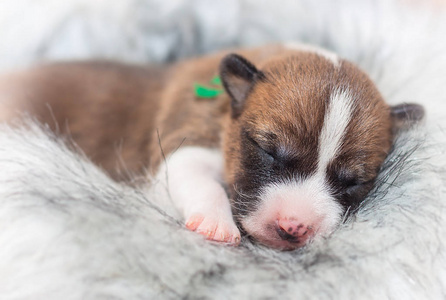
column 405, row 115
column 238, row 76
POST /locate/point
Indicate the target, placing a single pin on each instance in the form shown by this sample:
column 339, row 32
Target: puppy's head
column 305, row 142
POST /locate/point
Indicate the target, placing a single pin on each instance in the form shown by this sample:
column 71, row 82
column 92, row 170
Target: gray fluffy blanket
column 67, row 231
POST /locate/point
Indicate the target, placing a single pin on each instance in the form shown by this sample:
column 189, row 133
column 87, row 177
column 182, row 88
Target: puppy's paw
column 215, row 228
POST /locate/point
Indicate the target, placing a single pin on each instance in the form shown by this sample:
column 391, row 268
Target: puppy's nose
column 293, row 231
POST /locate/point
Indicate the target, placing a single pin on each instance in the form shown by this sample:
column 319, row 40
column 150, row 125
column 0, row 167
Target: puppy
column 294, row 142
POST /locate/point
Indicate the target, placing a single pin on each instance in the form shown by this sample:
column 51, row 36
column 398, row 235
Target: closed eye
column 348, row 179
column 351, row 185
column 350, row 182
column 269, row 153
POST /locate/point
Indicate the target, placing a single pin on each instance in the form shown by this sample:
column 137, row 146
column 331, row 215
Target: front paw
column 215, row 228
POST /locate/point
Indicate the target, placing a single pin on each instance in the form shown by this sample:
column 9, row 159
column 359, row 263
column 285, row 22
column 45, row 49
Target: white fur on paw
column 214, row 228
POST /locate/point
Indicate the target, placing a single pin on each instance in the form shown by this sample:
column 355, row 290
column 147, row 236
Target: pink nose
column 293, row 231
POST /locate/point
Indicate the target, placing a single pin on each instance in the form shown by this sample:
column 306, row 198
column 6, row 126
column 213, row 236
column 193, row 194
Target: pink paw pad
column 215, row 229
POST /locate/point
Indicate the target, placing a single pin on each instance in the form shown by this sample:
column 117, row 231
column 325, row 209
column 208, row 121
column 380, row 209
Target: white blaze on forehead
column 331, row 56
column 337, row 117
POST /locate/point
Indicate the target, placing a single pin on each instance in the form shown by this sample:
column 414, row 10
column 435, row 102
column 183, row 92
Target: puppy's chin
column 292, row 214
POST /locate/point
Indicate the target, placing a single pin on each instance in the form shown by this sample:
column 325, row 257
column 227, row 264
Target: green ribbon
column 207, row 92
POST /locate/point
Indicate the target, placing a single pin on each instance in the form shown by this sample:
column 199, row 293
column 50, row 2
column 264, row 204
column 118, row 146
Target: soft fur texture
column 69, row 232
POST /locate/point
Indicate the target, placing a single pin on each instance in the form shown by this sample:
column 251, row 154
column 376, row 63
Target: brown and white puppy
column 296, row 141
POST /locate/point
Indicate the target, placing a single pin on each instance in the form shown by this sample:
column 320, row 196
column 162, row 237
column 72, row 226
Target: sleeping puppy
column 294, row 142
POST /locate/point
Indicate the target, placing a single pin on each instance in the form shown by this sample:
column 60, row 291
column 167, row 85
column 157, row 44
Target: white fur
column 193, row 176
column 336, row 120
column 329, row 55
column 309, row 202
column 69, row 232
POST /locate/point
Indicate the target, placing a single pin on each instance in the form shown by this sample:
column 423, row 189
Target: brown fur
column 108, row 109
column 138, row 114
column 185, row 120
column 116, row 111
column 371, row 126
column 292, row 103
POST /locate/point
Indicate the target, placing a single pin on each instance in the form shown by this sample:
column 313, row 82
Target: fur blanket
column 67, row 231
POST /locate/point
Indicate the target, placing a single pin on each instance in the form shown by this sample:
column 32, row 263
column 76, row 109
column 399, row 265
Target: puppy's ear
column 406, row 115
column 238, row 76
